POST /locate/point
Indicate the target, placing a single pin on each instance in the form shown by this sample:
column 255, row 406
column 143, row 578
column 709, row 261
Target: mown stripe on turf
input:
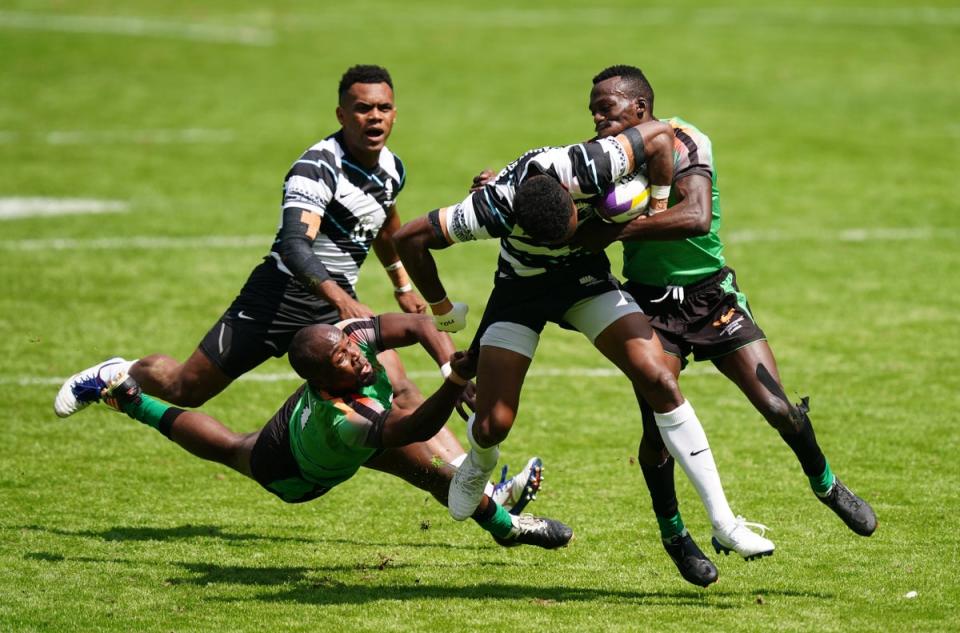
column 134, row 26
column 263, row 241
column 284, row 376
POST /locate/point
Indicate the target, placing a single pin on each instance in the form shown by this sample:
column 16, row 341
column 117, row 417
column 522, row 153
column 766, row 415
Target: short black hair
column 543, row 208
column 633, row 77
column 363, row 74
column 309, row 351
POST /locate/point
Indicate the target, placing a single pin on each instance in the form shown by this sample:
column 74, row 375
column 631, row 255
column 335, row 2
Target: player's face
column 612, row 110
column 348, row 368
column 366, row 114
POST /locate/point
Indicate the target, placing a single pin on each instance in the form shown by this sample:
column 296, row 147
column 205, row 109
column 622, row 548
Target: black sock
column 804, row 445
column 659, row 476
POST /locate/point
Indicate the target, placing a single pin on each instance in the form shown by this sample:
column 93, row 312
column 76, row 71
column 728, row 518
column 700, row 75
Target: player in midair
column 342, row 418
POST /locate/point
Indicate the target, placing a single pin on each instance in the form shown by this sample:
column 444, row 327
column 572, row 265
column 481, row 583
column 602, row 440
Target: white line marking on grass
column 877, row 234
column 137, row 27
column 15, row 208
column 117, row 137
column 702, row 369
column 720, row 16
column 139, row 243
column 144, row 242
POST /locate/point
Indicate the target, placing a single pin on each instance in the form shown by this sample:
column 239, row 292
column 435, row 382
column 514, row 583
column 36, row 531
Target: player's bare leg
column 754, row 370
column 500, row 375
column 630, row 343
column 196, row 432
column 187, row 384
column 513, row 493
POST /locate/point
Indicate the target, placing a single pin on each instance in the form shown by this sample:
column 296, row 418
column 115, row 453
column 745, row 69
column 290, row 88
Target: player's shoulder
column 684, row 130
column 327, row 152
column 392, row 165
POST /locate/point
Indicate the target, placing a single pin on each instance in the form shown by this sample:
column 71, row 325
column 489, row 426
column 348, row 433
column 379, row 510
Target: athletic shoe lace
column 742, row 523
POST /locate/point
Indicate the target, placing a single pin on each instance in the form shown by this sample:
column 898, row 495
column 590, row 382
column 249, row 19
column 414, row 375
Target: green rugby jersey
column 680, row 262
column 328, row 433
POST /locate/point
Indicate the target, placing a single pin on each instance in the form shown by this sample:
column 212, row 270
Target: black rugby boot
column 855, row 512
column 691, row 562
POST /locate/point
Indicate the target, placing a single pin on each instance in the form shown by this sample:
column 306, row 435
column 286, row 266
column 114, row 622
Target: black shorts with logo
column 262, row 320
column 709, row 318
column 534, row 301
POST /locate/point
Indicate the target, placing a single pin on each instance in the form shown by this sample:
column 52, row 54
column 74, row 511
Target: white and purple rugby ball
column 625, row 199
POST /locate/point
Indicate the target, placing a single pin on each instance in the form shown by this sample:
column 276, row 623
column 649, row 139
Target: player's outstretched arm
column 407, row 298
column 401, row 330
column 404, row 427
column 414, row 241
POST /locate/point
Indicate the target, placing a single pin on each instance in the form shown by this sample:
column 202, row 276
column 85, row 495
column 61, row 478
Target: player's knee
column 659, row 387
column 492, row 429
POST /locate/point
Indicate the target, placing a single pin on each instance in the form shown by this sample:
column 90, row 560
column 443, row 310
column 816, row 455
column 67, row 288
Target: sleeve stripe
column 691, row 145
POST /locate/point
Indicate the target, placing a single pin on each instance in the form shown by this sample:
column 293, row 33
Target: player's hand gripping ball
column 625, row 199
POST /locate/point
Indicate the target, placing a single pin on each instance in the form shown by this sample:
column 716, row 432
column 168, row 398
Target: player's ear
column 641, row 105
column 340, row 115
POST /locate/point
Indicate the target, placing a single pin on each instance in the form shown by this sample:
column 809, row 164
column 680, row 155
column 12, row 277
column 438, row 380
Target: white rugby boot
column 515, row 493
column 738, row 537
column 83, row 389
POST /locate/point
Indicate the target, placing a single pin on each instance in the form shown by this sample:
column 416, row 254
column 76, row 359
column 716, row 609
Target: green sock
column 148, row 411
column 499, row 524
column 821, row 485
column 670, row 526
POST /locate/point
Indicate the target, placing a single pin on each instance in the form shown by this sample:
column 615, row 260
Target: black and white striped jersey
column 351, row 203
column 585, row 169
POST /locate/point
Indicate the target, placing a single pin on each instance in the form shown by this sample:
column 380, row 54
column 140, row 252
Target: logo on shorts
column 729, row 323
column 588, row 280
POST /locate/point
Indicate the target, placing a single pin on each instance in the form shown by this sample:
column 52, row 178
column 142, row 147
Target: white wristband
column 659, row 192
column 446, row 369
column 397, row 265
column 404, row 288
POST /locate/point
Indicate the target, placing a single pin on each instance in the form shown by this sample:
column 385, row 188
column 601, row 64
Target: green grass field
column 834, row 129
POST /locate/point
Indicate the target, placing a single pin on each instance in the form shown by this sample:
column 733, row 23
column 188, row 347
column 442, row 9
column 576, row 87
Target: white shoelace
column 676, row 292
column 741, row 522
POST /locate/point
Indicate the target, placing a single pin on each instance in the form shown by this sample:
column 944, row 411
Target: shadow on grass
column 146, row 533
column 188, row 531
column 320, row 585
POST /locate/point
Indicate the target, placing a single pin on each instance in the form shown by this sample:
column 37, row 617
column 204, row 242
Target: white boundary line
column 288, row 376
column 146, row 242
column 16, row 208
column 137, row 27
column 118, row 137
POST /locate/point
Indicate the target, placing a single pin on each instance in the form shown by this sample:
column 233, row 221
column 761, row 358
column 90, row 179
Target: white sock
column 108, row 373
column 456, row 461
column 685, row 439
column 483, row 457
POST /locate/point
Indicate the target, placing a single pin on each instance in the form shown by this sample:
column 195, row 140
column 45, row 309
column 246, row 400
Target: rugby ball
column 625, row 199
